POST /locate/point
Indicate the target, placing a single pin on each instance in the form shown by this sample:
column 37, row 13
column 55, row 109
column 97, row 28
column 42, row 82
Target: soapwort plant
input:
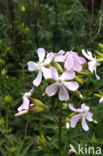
column 62, row 71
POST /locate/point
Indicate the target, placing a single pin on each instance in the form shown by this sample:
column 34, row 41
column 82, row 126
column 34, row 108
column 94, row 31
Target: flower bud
column 58, row 66
column 67, row 121
column 79, row 94
column 100, row 54
column 100, row 45
column 36, row 109
column 80, row 80
column 64, row 105
column 94, row 121
column 37, row 102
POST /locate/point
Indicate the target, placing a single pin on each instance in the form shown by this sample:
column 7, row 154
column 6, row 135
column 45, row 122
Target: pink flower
column 73, row 61
column 26, row 102
column 62, row 84
column 40, row 66
column 82, row 113
column 58, row 57
column 101, row 100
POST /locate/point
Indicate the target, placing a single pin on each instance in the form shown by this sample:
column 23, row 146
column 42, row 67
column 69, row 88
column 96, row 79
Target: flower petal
column 48, row 59
column 84, row 107
column 71, row 85
column 28, row 94
column 54, row 74
column 68, row 75
column 75, row 119
column 41, row 54
column 32, row 66
column 81, row 60
column 63, row 94
column 101, row 100
column 52, row 89
column 25, row 104
column 88, row 55
column 69, row 62
column 89, row 116
column 46, row 73
column 38, row 79
column 97, row 76
column 71, row 107
column 84, row 124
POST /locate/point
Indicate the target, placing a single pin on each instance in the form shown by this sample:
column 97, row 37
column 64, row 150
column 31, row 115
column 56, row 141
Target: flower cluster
column 62, row 68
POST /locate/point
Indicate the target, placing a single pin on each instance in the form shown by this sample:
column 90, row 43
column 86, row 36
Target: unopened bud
column 80, row 80
column 79, row 94
column 22, row 113
column 36, row 109
column 100, row 45
column 44, row 94
column 67, row 121
column 100, row 54
column 98, row 95
column 94, row 121
column 37, row 102
column 64, row 105
column 58, row 66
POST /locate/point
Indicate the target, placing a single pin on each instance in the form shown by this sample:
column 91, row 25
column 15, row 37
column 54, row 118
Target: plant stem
column 60, row 128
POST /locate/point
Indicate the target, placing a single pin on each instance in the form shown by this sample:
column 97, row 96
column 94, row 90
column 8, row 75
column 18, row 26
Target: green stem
column 60, row 128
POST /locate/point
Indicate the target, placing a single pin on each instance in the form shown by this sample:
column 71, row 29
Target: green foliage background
column 52, row 24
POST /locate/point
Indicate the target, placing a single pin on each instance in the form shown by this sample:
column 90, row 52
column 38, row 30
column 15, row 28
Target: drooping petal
column 54, row 73
column 97, row 76
column 32, row 66
column 38, row 79
column 71, row 107
column 89, row 116
column 75, row 119
column 69, row 62
column 63, row 94
column 25, row 104
column 28, row 94
column 46, row 73
column 84, row 124
column 92, row 66
column 68, row 75
column 88, row 55
column 52, row 89
column 41, row 54
column 71, row 85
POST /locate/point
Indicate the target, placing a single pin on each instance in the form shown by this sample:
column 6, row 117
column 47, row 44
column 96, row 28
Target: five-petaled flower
column 92, row 64
column 73, row 61
column 82, row 113
column 40, row 66
column 62, row 84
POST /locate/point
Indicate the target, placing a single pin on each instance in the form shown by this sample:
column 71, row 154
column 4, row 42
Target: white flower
column 92, row 64
column 40, row 66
